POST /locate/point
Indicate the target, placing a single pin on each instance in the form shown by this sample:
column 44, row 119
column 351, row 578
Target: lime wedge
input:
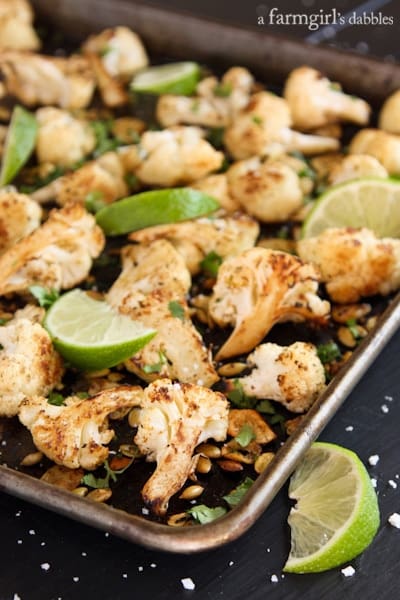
column 175, row 78
column 90, row 334
column 372, row 203
column 19, row 144
column 155, row 207
column 336, row 516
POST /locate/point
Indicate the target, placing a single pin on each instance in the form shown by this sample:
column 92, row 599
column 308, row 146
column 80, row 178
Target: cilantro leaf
column 3, row 321
column 103, row 482
column 44, row 296
column 328, row 352
column 204, row 514
column 216, row 136
column 105, row 141
column 266, row 407
column 176, row 309
column 211, row 263
column 156, row 367
column 223, row 90
column 56, row 399
column 245, row 435
column 353, row 328
column 237, row 495
column 239, row 398
column 257, row 120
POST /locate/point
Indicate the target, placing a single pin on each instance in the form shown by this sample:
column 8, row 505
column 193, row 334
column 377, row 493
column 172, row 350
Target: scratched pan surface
column 181, row 36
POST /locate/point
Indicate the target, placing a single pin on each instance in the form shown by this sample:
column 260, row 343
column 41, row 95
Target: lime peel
column 90, row 334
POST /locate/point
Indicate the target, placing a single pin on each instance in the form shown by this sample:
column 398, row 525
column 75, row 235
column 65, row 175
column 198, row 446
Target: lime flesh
column 336, row 516
column 368, row 202
column 90, row 334
column 174, row 78
column 19, row 144
column 155, row 207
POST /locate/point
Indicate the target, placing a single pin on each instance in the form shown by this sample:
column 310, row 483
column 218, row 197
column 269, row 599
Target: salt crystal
column 76, row 579
column 106, row 534
column 388, row 398
column 83, row 553
column 373, row 460
column 45, row 566
column 140, row 569
column 16, row 597
column 385, row 408
column 274, row 579
column 394, row 520
column 125, row 575
column 230, row 563
column 348, row 571
column 350, row 428
column 374, row 482
column 268, row 549
column 18, row 513
column 145, row 511
column 188, row 583
column 153, row 565
column 32, row 532
column 392, row 484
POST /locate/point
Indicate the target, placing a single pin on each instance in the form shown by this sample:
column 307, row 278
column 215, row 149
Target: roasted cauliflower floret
column 315, row 101
column 75, row 434
column 62, row 140
column 29, row 365
column 268, row 190
column 385, row 147
column 263, row 128
column 195, row 239
column 175, row 418
column 215, row 104
column 57, row 255
column 152, row 288
column 103, row 177
column 47, row 80
column 258, row 289
column 121, row 50
column 175, row 156
column 217, row 187
column 292, row 375
column 112, row 91
column 16, row 29
column 355, row 166
column 353, row 262
column 389, row 117
column 19, row 216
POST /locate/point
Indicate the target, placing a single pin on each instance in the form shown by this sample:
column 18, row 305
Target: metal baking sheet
column 183, row 36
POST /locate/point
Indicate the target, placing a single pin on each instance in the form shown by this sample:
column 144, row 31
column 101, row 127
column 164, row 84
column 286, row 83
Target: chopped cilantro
column 265, row 407
column 156, row 367
column 3, row 321
column 204, row 514
column 237, row 495
column 94, row 201
column 239, row 398
column 211, row 263
column 216, row 137
column 328, row 352
column 132, row 181
column 176, row 309
column 353, row 328
column 105, row 141
column 44, row 296
column 257, row 120
column 102, row 482
column 83, row 395
column 105, row 50
column 275, row 419
column 245, row 435
column 223, row 90
column 307, row 171
column 283, row 233
column 56, row 399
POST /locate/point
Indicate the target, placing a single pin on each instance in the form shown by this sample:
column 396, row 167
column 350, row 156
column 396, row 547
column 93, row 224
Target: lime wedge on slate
column 90, row 334
column 174, row 78
column 155, row 207
column 336, row 516
column 368, row 202
column 19, row 144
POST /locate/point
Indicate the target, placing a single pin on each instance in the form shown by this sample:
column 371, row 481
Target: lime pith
column 174, row 78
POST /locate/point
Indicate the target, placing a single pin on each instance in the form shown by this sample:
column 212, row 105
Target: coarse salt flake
column 140, row 569
column 350, row 428
column 388, row 398
column 392, row 484
column 230, row 563
column 16, row 597
column 45, row 566
column 32, row 532
column 348, row 571
column 394, row 520
column 125, row 575
column 274, row 578
column 145, row 511
column 373, row 460
column 188, row 583
column 374, row 482
column 385, row 408
column 76, row 579
column 153, row 565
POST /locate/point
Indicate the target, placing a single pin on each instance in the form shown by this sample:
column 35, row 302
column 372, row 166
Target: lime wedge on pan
column 368, row 202
column 175, row 78
column 336, row 516
column 90, row 334
column 155, row 207
column 19, row 144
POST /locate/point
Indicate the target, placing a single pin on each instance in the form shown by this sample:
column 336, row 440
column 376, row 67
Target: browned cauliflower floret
column 268, row 190
column 175, row 418
column 292, row 375
column 19, row 216
column 152, row 288
column 217, row 187
column 175, row 156
column 389, row 117
column 62, row 140
column 315, row 101
column 353, row 262
column 259, row 288
column 16, row 29
column 47, row 80
column 355, row 166
column 29, row 365
column 226, row 236
column 263, row 127
column 57, row 255
column 75, row 434
column 385, row 147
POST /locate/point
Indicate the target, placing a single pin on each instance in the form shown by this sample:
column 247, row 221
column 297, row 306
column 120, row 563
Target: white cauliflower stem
column 175, row 418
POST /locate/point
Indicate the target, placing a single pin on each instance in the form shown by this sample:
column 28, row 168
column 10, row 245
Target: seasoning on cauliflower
column 315, row 101
column 175, row 418
column 385, row 147
column 152, row 289
column 268, row 190
column 292, row 375
column 57, row 255
column 258, row 289
column 62, row 140
column 19, row 216
column 353, row 262
column 47, row 80
column 176, row 156
column 75, row 434
column 355, row 166
column 16, row 29
column 29, row 364
column 226, row 236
